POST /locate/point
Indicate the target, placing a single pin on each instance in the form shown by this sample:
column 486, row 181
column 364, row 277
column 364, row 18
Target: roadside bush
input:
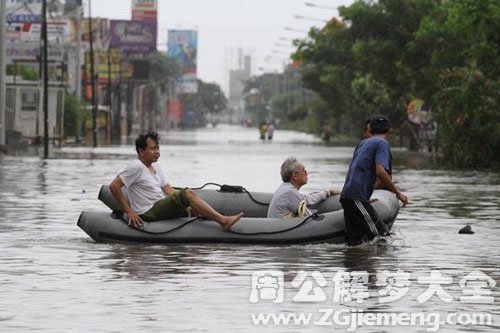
column 468, row 110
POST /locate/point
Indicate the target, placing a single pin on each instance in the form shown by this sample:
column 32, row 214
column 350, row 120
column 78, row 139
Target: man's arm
column 315, row 197
column 334, row 191
column 169, row 190
column 386, row 180
column 378, row 184
column 116, row 188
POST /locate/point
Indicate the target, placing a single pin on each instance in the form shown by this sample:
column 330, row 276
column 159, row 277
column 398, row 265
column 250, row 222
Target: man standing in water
column 371, row 159
column 147, row 187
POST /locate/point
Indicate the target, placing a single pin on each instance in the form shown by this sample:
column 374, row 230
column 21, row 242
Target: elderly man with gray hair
column 287, row 200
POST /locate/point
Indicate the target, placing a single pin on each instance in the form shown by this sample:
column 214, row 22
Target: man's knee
column 190, row 195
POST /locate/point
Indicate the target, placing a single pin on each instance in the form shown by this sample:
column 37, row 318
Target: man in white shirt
column 287, row 200
column 147, row 187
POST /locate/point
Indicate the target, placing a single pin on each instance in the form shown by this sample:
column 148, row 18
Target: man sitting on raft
column 287, row 200
column 147, row 187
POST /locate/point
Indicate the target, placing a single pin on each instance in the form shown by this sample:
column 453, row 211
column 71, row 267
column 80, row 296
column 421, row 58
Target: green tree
column 163, row 70
column 470, row 130
column 383, row 54
column 358, row 64
column 207, row 102
column 72, row 109
column 280, row 96
column 211, row 98
column 467, row 94
column 163, row 73
column 327, row 68
column 25, row 72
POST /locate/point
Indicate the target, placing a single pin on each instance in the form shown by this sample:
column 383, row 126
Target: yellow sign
column 103, row 65
column 145, row 4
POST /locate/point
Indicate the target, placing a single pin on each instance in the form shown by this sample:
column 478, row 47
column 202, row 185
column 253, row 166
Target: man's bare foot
column 228, row 221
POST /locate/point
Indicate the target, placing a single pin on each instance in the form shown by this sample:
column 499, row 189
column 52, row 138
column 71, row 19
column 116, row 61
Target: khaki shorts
column 168, row 208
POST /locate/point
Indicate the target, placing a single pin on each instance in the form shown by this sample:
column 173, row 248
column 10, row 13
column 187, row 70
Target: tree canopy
column 380, row 55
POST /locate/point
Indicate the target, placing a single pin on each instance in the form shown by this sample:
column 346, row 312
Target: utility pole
column 92, row 82
column 114, row 105
column 45, row 76
column 3, row 129
column 78, row 72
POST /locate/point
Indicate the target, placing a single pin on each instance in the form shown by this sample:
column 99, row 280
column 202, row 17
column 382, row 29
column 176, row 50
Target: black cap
column 380, row 124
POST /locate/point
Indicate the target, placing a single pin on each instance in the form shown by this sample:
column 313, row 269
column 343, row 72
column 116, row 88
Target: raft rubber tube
column 327, row 225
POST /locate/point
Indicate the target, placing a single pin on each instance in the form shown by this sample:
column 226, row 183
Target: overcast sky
column 225, row 25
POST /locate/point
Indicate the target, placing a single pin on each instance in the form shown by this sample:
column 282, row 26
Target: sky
column 255, row 26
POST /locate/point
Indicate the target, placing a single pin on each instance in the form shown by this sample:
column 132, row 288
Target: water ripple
column 53, row 277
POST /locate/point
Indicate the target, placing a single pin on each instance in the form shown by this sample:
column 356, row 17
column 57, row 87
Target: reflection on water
column 53, row 277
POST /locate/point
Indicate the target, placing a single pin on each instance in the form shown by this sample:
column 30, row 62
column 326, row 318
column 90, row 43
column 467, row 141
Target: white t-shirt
column 144, row 187
column 287, row 199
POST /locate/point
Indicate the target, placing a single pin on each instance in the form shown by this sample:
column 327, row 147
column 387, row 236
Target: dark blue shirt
column 361, row 176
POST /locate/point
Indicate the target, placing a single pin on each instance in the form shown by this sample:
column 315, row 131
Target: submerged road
column 53, row 277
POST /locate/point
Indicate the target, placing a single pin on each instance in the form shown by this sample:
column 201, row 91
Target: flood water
column 54, row 278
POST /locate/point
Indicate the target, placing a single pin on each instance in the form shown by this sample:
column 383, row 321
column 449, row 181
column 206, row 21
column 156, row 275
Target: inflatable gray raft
column 327, row 225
